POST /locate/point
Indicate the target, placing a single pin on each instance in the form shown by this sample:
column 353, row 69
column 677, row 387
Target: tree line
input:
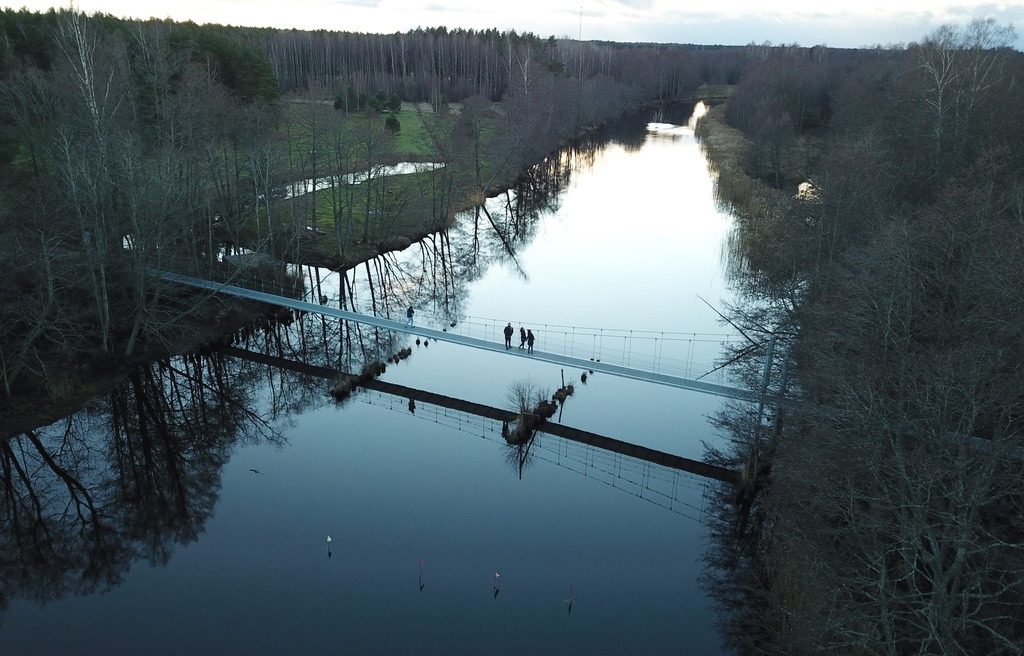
column 437, row 65
column 887, row 517
column 121, row 144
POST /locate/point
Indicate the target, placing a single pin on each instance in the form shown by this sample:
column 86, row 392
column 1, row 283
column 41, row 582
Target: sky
column 836, row 23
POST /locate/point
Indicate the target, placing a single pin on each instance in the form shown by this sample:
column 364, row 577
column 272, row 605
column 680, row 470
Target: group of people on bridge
column 526, row 337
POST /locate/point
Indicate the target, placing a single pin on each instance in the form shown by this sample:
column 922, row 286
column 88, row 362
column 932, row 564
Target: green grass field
column 305, row 124
column 407, row 205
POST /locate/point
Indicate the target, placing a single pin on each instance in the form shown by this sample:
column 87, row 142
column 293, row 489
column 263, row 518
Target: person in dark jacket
column 408, row 316
column 522, row 337
column 529, row 341
column 508, row 336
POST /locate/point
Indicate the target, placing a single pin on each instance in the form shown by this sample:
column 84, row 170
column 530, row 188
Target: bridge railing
column 685, row 354
column 689, row 355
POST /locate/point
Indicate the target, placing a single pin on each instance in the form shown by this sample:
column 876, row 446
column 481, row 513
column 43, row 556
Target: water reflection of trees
column 129, row 479
column 519, row 454
column 738, row 575
column 433, row 273
column 139, row 472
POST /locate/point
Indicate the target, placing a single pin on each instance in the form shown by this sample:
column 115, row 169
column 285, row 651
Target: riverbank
column 892, row 284
column 211, row 319
column 94, row 376
column 410, row 207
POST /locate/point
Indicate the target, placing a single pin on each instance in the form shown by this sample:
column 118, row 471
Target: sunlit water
column 424, row 506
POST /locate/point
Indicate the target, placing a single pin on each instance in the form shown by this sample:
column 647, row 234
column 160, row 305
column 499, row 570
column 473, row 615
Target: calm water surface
column 189, row 513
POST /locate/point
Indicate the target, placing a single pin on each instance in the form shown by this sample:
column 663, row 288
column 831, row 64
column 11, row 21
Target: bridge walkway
column 578, row 363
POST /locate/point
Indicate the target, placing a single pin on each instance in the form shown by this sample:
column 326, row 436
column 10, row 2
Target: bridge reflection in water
column 664, row 486
column 655, row 476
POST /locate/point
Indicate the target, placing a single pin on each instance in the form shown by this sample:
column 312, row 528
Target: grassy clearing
column 399, row 208
column 415, row 140
column 392, row 200
column 306, row 124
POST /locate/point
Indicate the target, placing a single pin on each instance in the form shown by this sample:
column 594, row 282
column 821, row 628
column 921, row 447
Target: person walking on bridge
column 408, row 316
column 508, row 336
column 522, row 337
column 529, row 341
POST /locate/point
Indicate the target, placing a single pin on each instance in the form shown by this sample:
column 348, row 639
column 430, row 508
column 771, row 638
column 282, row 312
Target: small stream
column 310, row 185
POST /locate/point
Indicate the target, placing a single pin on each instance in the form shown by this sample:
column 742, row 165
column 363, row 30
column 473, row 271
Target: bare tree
column 959, row 65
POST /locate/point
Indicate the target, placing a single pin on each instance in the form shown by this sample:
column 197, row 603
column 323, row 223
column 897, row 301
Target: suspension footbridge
column 649, row 374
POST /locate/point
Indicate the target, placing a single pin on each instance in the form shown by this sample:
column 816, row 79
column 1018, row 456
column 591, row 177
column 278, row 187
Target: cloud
column 842, row 23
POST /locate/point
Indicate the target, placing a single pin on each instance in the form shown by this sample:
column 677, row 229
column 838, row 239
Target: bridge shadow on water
column 652, row 475
column 657, row 484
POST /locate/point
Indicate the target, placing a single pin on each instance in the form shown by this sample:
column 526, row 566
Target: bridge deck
column 443, row 336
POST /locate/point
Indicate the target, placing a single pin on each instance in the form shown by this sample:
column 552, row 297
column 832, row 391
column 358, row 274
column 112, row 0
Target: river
column 216, row 505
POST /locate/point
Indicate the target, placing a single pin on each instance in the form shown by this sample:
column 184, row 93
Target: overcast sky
column 839, row 23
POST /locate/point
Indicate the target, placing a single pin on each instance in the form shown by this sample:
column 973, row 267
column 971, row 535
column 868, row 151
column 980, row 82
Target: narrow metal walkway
column 552, row 428
column 443, row 336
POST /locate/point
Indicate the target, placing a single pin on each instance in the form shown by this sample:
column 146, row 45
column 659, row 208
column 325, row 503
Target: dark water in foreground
column 190, row 511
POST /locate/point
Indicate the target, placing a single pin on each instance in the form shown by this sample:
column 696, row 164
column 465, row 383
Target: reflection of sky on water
column 614, row 275
column 636, row 257
column 624, row 248
column 392, row 487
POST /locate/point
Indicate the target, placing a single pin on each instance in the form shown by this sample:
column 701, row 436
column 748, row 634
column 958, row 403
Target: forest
column 879, row 203
column 881, row 215
column 131, row 146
